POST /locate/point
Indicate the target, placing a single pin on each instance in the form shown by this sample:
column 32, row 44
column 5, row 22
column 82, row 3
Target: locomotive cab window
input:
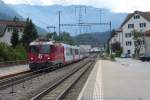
column 33, row 49
column 45, row 49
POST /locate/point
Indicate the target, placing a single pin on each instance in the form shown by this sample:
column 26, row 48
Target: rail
column 63, row 79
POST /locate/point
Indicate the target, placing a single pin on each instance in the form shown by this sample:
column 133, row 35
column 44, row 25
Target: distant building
column 97, row 49
column 86, row 47
column 139, row 21
column 6, row 29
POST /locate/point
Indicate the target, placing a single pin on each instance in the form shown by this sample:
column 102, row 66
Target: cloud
column 130, row 5
column 114, row 5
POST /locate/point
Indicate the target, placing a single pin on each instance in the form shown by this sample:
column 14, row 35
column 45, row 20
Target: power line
column 100, row 14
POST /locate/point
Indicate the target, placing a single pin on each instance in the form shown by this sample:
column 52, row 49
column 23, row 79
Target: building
column 139, row 21
column 147, row 41
column 6, row 29
column 116, row 38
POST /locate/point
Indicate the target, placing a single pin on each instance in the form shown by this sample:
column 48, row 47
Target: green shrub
column 7, row 53
column 112, row 57
column 20, row 52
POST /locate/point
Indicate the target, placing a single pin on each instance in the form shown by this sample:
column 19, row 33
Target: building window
column 136, row 17
column 128, row 43
column 128, row 51
column 143, row 42
column 9, row 29
column 142, row 24
column 128, row 35
column 130, row 25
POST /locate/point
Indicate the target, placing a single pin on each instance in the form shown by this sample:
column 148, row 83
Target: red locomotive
column 43, row 53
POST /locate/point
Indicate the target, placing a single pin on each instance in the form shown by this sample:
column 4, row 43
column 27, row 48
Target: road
column 126, row 79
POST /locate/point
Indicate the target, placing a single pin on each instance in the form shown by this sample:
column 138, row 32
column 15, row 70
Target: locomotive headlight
column 48, row 58
column 31, row 58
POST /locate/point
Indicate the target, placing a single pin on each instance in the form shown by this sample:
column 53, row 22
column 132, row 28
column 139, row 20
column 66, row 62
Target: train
column 46, row 53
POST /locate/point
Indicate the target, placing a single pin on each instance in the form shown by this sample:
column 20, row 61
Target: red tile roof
column 13, row 23
column 118, row 30
column 10, row 23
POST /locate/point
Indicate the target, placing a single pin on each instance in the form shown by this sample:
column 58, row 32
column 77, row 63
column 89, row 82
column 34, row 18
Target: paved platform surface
column 125, row 79
column 93, row 89
column 5, row 71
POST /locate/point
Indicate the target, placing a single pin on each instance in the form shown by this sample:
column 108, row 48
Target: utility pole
column 80, row 15
column 59, row 15
column 51, row 27
column 100, row 14
column 110, row 42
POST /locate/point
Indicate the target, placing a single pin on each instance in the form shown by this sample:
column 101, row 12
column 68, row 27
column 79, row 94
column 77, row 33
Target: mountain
column 44, row 16
column 94, row 39
column 6, row 12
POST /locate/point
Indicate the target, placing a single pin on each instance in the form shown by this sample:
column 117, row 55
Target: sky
column 114, row 5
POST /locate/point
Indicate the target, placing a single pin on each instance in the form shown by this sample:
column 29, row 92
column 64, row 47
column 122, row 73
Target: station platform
column 93, row 89
column 11, row 70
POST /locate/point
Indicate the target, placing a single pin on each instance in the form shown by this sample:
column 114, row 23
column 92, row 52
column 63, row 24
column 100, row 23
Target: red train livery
column 44, row 54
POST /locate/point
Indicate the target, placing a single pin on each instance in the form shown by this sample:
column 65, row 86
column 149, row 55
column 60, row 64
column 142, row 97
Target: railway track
column 22, row 77
column 24, row 87
column 14, row 80
column 59, row 89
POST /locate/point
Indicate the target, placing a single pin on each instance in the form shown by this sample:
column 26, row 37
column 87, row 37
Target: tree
column 29, row 34
column 138, row 40
column 15, row 19
column 116, row 48
column 52, row 35
column 113, row 33
column 14, row 38
column 66, row 38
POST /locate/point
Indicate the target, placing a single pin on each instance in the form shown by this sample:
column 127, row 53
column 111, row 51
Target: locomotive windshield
column 43, row 49
column 34, row 49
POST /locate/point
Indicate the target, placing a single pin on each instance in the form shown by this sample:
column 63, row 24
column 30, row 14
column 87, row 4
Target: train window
column 76, row 52
column 52, row 48
column 71, row 51
column 34, row 49
column 67, row 51
column 45, row 49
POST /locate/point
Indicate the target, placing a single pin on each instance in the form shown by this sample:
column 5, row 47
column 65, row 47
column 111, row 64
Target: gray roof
column 146, row 15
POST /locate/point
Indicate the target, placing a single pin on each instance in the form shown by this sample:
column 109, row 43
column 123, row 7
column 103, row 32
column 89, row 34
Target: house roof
column 118, row 30
column 146, row 15
column 10, row 23
column 13, row 23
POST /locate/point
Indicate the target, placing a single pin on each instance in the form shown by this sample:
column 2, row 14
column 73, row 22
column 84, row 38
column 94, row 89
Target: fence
column 13, row 63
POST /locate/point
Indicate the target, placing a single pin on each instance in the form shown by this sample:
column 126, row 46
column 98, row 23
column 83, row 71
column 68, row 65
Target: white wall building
column 139, row 21
column 147, row 42
column 6, row 29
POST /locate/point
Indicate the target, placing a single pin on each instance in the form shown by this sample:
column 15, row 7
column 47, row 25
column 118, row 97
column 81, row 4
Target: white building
column 139, row 21
column 147, row 41
column 6, row 29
